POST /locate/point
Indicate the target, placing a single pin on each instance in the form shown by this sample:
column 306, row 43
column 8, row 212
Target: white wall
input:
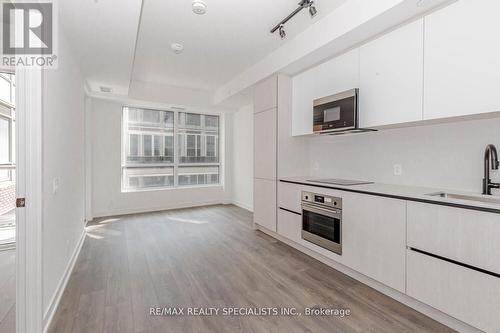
column 443, row 156
column 107, row 198
column 242, row 166
column 63, row 160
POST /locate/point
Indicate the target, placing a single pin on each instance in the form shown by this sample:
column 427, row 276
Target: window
column 211, row 145
column 7, row 127
column 204, row 175
column 152, row 158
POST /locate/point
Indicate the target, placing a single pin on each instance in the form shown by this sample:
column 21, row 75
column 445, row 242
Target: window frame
column 8, row 113
column 176, row 147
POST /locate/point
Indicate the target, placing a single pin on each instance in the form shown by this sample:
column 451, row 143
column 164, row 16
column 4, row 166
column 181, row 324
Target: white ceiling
column 229, row 38
column 125, row 44
column 102, row 34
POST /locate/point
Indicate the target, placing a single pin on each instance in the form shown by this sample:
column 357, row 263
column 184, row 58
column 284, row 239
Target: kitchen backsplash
column 442, row 156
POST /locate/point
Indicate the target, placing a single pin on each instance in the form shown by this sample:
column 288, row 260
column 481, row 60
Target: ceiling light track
column 302, row 4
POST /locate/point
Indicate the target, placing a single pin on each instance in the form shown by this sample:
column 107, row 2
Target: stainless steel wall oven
column 322, row 220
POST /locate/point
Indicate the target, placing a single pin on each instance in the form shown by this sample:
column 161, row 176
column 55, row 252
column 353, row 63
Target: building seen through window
column 167, row 149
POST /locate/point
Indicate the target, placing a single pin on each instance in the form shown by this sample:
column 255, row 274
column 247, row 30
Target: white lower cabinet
column 290, row 196
column 463, row 293
column 289, row 225
column 459, row 278
column 265, row 203
column 467, row 236
column 374, row 237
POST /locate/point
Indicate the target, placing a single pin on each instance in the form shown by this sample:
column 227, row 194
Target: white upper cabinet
column 334, row 76
column 391, row 77
column 266, row 95
column 462, row 59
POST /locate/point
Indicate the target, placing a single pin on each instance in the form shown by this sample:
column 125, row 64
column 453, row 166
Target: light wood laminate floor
column 8, row 291
column 211, row 257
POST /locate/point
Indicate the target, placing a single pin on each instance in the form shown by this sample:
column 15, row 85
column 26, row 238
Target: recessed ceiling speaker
column 199, row 7
column 177, row 48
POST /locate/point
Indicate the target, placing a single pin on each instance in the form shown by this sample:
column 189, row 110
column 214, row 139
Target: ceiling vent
column 105, row 89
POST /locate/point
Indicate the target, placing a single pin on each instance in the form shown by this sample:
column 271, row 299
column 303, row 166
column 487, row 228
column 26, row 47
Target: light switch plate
column 55, row 185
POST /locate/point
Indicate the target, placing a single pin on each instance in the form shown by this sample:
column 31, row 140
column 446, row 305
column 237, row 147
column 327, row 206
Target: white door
column 29, row 186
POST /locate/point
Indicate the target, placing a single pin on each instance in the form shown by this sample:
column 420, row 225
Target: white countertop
column 405, row 192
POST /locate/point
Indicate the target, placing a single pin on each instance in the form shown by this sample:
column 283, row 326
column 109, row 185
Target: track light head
column 282, row 32
column 312, row 9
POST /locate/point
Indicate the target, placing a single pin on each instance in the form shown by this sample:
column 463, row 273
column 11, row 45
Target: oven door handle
column 323, row 211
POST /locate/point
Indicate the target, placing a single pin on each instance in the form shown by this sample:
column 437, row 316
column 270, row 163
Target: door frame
column 29, row 293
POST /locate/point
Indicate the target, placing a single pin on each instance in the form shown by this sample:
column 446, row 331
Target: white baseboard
column 128, row 211
column 56, row 298
column 425, row 309
column 242, row 205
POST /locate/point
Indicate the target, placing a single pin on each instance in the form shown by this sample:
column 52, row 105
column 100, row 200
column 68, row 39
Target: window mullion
column 176, row 149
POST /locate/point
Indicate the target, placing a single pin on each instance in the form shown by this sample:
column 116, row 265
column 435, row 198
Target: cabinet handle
column 474, row 268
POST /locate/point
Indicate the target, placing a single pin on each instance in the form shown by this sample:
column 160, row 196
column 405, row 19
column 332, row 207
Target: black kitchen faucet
column 490, row 154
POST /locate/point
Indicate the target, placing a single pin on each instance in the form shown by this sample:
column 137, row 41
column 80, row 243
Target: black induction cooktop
column 343, row 182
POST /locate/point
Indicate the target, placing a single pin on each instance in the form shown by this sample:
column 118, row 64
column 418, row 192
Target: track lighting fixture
column 302, row 4
column 312, row 9
column 282, row 32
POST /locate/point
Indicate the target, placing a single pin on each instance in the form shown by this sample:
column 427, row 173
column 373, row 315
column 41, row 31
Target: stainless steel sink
column 493, row 200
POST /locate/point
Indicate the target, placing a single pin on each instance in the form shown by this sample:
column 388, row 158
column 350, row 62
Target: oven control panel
column 322, row 199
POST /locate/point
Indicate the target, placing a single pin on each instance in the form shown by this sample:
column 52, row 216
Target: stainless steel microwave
column 336, row 113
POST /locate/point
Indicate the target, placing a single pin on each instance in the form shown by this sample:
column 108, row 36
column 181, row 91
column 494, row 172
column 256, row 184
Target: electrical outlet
column 398, row 169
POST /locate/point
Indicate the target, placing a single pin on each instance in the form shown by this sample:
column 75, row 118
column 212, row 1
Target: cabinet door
column 290, row 225
column 465, row 294
column 462, row 62
column 265, row 203
column 290, row 196
column 391, row 77
column 463, row 235
column 265, row 144
column 265, row 95
column 374, row 238
column 334, row 76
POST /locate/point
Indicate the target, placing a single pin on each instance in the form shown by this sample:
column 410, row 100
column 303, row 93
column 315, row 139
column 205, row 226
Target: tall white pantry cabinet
column 276, row 153
column 265, row 147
